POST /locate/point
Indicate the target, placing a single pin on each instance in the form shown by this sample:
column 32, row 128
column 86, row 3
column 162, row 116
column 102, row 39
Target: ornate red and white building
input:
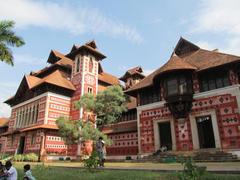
column 45, row 95
column 188, row 104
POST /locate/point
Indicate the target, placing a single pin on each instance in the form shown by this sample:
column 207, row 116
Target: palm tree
column 8, row 38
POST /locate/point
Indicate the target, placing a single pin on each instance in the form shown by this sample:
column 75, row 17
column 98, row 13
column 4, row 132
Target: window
column 33, row 139
column 78, row 64
column 178, row 85
column 214, row 80
column 150, row 95
column 90, row 65
column 172, row 86
column 90, row 90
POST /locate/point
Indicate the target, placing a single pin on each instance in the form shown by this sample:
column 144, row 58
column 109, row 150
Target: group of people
column 9, row 172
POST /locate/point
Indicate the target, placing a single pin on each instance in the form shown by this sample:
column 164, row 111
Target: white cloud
column 220, row 17
column 205, row 45
column 27, row 59
column 146, row 72
column 74, row 19
column 6, row 91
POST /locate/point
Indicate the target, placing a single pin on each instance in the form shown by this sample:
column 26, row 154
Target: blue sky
column 128, row 32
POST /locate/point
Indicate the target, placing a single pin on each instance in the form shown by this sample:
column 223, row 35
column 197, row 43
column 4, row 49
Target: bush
column 32, row 157
column 191, row 171
column 18, row 157
column 128, row 158
column 4, row 156
column 61, row 159
column 92, row 161
column 68, row 159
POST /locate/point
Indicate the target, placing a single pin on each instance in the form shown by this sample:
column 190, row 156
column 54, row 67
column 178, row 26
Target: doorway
column 165, row 135
column 21, row 145
column 205, row 132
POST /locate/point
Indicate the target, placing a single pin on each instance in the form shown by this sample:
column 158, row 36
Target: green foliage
column 108, row 105
column 92, row 161
column 32, row 157
column 69, row 130
column 88, row 132
column 3, row 156
column 74, row 131
column 191, row 171
column 8, row 38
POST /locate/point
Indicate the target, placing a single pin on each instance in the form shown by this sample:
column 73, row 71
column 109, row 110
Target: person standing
column 11, row 171
column 101, row 150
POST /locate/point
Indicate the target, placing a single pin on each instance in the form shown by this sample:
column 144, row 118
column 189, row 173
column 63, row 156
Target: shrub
column 92, row 161
column 191, row 171
column 68, row 159
column 18, row 157
column 128, row 158
column 61, row 159
column 32, row 157
column 4, row 156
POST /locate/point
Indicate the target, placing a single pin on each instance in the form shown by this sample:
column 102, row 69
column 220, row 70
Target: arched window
column 90, row 65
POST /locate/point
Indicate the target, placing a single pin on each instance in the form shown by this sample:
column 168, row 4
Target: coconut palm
column 8, row 38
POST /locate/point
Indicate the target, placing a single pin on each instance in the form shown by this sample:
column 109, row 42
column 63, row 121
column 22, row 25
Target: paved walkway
column 226, row 167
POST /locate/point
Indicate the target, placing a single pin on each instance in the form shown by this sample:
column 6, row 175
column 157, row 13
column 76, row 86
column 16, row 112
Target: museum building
column 188, row 104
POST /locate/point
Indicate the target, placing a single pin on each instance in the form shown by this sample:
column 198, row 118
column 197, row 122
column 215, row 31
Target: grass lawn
column 63, row 173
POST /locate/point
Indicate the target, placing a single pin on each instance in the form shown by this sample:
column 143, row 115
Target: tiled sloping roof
column 205, row 59
column 4, row 122
column 57, row 78
column 44, row 126
column 87, row 46
column 32, row 81
column 65, row 62
column 199, row 60
column 108, row 78
column 132, row 71
column 120, row 127
column 55, row 56
column 175, row 63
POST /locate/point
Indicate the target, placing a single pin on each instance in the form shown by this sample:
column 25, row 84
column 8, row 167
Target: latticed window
column 214, row 80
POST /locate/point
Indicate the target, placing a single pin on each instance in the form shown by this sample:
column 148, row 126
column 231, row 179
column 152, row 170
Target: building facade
column 50, row 93
column 190, row 103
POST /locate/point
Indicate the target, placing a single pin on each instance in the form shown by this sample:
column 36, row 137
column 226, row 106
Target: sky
column 129, row 32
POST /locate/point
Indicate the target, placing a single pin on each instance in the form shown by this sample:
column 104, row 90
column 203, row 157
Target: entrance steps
column 198, row 156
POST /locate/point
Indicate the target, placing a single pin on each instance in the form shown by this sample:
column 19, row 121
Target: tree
column 107, row 105
column 8, row 38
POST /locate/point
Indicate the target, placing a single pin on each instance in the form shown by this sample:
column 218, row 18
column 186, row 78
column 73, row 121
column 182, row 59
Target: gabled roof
column 108, row 78
column 186, row 55
column 55, row 56
column 57, row 78
column 133, row 71
column 32, row 81
column 175, row 63
column 89, row 46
